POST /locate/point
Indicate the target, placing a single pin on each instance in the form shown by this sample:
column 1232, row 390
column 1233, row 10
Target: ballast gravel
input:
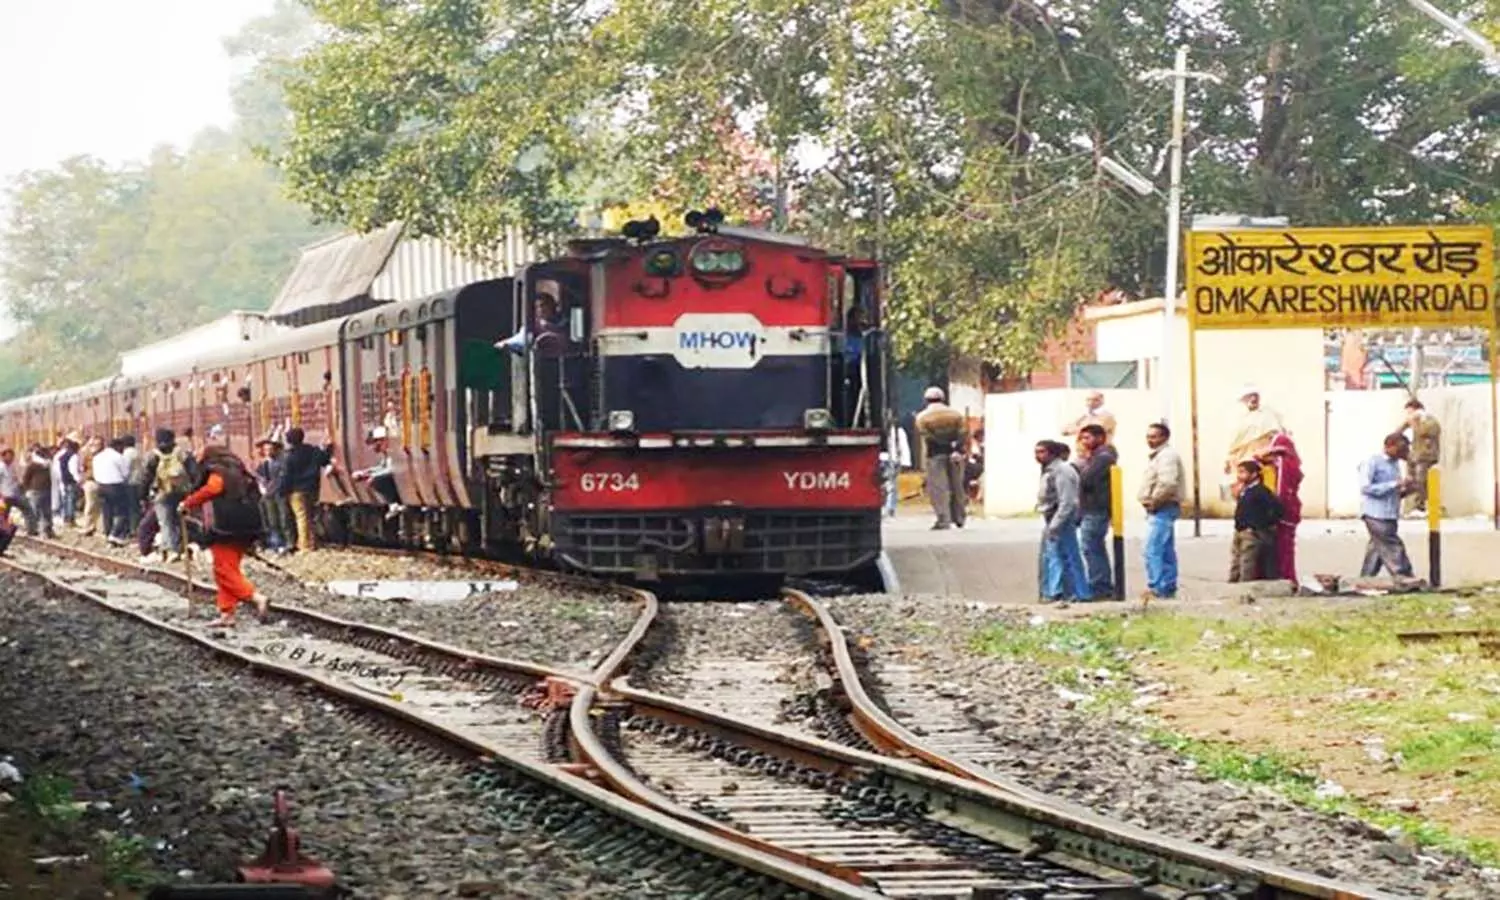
column 185, row 752
column 570, row 627
column 1106, row 764
column 750, row 660
column 539, row 621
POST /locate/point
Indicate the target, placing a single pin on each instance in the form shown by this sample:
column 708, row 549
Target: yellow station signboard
column 1440, row 276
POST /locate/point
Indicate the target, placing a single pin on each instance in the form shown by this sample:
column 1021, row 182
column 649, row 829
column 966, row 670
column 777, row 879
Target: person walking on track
column 230, row 501
column 943, row 431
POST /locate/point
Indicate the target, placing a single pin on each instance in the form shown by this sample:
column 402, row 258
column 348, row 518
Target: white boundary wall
column 1334, row 430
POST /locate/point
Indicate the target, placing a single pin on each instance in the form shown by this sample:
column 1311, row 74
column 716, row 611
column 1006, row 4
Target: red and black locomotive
column 653, row 408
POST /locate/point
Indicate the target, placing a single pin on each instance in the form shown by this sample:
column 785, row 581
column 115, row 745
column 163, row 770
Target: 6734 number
column 613, row 482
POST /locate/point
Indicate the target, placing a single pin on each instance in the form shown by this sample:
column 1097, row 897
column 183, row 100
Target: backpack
column 171, row 474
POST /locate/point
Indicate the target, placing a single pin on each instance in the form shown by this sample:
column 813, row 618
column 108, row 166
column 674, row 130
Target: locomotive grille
column 796, row 542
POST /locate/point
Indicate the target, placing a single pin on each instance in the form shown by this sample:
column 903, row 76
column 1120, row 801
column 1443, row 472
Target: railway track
column 786, row 814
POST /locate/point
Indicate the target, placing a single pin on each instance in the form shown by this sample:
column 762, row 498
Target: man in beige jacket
column 1161, row 496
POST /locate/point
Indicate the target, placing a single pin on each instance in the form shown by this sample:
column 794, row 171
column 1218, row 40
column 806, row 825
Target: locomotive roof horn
column 706, row 222
column 641, row 229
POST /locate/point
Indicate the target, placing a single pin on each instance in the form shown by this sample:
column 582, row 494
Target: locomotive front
column 739, row 383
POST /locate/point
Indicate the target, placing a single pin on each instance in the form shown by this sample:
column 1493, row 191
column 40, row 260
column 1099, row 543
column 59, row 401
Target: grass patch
column 123, row 860
column 573, row 611
column 1291, row 777
column 50, row 798
column 1111, row 643
column 1450, row 749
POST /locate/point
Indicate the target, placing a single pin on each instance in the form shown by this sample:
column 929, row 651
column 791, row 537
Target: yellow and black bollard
column 1117, row 526
column 1434, row 527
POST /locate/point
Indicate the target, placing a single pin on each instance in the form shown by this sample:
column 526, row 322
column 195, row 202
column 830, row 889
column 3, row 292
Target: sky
column 111, row 78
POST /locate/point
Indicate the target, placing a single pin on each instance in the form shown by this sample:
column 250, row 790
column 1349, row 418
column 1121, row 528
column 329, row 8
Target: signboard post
column 1440, row 276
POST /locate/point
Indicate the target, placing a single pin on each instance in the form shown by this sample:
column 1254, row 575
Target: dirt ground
column 1322, row 696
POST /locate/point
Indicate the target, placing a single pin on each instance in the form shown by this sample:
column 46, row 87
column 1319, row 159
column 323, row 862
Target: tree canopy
column 102, row 258
column 961, row 137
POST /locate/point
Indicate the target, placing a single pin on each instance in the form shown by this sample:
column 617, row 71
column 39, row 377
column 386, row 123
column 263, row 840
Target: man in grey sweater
column 1063, row 575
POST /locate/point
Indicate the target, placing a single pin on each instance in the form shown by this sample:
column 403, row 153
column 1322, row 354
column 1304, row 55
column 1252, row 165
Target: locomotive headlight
column 621, row 420
column 817, row 420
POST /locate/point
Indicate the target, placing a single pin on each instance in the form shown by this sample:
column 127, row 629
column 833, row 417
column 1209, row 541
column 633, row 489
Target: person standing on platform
column 1254, row 433
column 894, row 461
column 1426, row 448
column 1381, row 488
column 1161, row 497
column 1063, row 577
column 943, row 431
column 1094, row 506
column 1284, row 461
column 231, row 525
column 1256, row 515
column 1094, row 413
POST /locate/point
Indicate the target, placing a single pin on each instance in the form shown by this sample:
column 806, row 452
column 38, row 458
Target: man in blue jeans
column 1063, row 577
column 1161, row 495
column 1093, row 503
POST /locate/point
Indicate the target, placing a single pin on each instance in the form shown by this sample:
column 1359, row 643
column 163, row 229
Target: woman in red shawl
column 1282, row 456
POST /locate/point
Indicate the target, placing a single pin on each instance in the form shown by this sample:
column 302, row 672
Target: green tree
column 960, row 137
column 99, row 260
column 17, row 379
column 267, row 48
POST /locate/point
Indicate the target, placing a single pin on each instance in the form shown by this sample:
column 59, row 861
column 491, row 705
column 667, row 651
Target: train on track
column 691, row 409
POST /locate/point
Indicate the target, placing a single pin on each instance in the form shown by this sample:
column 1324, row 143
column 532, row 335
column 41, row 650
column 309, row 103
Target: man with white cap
column 1094, row 413
column 943, row 433
column 1255, row 430
column 382, row 475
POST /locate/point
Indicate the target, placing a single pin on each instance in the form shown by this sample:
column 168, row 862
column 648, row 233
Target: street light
column 1179, row 75
column 1127, row 176
column 1459, row 30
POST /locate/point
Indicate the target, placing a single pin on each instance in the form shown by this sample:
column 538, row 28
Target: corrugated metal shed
column 353, row 272
column 333, row 272
column 421, row 267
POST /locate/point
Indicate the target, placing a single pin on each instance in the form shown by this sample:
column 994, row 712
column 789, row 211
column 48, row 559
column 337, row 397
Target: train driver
column 548, row 317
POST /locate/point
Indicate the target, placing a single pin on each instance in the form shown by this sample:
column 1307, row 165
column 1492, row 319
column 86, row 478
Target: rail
column 574, row 780
column 1032, row 815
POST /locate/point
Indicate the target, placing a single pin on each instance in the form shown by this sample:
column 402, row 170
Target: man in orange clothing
column 232, row 524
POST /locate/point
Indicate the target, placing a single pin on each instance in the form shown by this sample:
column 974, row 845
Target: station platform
column 995, row 560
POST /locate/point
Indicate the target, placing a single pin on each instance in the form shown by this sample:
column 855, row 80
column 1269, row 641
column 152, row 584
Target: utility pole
column 1174, row 233
column 1179, row 75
